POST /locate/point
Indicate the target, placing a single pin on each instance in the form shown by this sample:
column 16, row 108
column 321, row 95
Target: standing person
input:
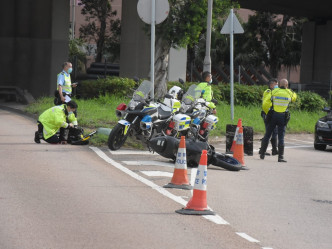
column 273, row 83
column 206, row 89
column 55, row 118
column 278, row 115
column 64, row 85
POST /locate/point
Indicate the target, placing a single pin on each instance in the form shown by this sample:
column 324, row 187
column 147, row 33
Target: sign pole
column 232, row 64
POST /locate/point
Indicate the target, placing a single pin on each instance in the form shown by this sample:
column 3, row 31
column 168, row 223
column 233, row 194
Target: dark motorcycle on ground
column 167, row 146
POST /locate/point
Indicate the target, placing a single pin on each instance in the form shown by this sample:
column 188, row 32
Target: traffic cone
column 197, row 204
column 180, row 178
column 238, row 148
column 239, row 124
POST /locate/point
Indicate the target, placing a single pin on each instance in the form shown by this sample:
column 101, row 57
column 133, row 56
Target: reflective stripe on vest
column 281, row 102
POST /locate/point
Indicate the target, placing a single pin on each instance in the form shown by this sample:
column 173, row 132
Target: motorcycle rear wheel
column 226, row 162
column 116, row 138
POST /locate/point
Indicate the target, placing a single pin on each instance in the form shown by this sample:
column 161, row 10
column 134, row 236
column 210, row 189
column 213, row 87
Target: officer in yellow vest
column 64, row 85
column 55, row 118
column 273, row 83
column 206, row 89
column 278, row 115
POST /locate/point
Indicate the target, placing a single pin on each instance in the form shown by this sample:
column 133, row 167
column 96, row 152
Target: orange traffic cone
column 239, row 124
column 197, row 203
column 238, row 148
column 180, row 178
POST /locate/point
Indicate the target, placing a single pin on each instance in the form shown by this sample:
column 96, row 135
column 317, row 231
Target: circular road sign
column 144, row 10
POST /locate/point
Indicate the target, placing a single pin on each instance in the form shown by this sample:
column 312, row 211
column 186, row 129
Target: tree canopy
column 100, row 26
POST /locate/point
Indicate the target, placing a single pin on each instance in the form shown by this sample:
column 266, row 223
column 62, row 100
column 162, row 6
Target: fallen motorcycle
column 167, row 146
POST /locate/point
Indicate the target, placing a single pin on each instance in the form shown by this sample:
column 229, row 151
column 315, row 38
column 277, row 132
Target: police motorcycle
column 180, row 122
column 205, row 121
column 142, row 118
column 195, row 117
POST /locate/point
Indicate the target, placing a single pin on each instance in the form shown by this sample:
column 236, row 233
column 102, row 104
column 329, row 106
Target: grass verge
column 100, row 112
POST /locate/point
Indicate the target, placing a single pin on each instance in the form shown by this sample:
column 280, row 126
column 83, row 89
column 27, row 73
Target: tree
column 267, row 37
column 184, row 25
column 99, row 14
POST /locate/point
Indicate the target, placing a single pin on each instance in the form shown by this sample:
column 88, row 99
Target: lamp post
column 73, row 20
column 207, row 59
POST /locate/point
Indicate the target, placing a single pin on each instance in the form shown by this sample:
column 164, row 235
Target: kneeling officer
column 55, row 118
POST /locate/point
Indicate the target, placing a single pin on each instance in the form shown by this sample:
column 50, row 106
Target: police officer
column 206, row 89
column 64, row 85
column 55, row 118
column 278, row 115
column 273, row 83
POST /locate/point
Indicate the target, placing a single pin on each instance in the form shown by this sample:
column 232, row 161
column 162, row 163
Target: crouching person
column 57, row 117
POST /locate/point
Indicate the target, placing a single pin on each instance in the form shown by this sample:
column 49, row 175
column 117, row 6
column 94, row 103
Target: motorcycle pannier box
column 212, row 121
column 181, row 121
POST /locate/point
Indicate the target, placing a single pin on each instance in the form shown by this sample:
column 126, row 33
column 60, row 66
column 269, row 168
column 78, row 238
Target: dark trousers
column 55, row 139
column 277, row 122
column 274, row 132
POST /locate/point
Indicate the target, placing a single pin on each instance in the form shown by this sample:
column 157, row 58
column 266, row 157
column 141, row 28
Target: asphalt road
column 64, row 196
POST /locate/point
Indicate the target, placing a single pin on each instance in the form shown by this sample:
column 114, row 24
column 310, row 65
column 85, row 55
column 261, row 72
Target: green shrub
column 309, row 101
column 109, row 85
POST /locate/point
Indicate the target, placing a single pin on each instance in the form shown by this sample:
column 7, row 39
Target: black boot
column 274, row 147
column 281, row 154
column 37, row 138
column 263, row 148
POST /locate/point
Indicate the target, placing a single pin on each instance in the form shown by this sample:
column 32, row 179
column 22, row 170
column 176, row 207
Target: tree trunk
column 161, row 68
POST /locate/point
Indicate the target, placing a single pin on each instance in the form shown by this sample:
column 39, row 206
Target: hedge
column 243, row 94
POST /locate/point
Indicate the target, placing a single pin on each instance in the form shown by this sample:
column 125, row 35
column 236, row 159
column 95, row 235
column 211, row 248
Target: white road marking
column 267, row 248
column 131, row 152
column 247, row 237
column 153, row 163
column 302, row 141
column 214, row 218
column 157, row 173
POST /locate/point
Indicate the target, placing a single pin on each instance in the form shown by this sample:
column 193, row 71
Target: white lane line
column 131, row 152
column 291, row 147
column 247, row 237
column 302, row 141
column 214, row 218
column 157, row 173
column 153, row 163
column 267, row 248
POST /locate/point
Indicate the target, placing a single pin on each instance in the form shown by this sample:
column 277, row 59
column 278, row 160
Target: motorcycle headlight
column 322, row 124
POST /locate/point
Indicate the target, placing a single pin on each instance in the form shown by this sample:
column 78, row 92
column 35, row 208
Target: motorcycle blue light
column 196, row 121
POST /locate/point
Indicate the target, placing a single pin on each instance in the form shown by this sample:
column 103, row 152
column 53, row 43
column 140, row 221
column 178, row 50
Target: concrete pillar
column 135, row 44
column 33, row 43
column 308, row 53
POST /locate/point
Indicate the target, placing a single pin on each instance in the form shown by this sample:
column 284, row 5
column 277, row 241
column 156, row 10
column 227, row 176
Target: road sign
column 232, row 26
column 237, row 28
column 161, row 12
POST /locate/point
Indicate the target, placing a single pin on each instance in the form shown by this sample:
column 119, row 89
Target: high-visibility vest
column 67, row 84
column 265, row 104
column 281, row 97
column 54, row 118
column 208, row 94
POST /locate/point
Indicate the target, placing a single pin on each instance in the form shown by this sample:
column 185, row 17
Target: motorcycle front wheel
column 116, row 138
column 226, row 162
